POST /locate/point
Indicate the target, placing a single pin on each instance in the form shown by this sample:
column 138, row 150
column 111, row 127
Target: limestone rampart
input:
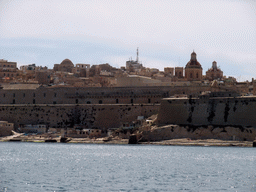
column 210, row 132
column 67, row 115
column 234, row 111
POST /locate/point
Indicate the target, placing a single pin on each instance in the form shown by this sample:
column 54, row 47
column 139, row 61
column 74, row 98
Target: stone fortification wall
column 59, row 116
column 235, row 111
column 210, row 132
column 94, row 95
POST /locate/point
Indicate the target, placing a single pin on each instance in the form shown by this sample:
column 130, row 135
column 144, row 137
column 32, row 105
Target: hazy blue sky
column 45, row 32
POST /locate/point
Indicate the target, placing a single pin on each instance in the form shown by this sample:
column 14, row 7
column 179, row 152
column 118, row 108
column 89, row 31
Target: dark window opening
column 100, row 101
column 13, row 101
column 76, row 101
column 88, row 102
column 34, row 101
column 117, row 101
column 131, row 100
column 149, row 100
column 54, row 102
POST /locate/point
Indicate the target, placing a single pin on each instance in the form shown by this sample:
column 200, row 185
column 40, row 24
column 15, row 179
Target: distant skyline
column 45, row 32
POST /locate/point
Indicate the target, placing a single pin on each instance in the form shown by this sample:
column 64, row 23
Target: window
column 54, row 102
column 100, row 101
column 34, row 95
column 13, row 94
column 55, row 94
column 196, row 75
column 131, row 100
column 88, row 102
column 117, row 101
column 13, row 101
column 191, row 75
column 24, row 95
column 44, row 94
column 149, row 101
column 76, row 101
column 34, row 101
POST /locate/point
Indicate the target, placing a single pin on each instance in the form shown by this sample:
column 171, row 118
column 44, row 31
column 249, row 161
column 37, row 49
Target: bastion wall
column 168, row 132
column 67, row 115
column 233, row 111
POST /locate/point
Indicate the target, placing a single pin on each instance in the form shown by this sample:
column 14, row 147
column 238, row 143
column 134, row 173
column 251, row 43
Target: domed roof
column 193, row 63
column 67, row 62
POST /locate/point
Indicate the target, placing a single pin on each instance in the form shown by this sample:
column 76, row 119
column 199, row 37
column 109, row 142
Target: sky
column 46, row 32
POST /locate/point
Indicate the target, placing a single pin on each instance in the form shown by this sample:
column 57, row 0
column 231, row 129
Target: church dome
column 193, row 63
column 67, row 63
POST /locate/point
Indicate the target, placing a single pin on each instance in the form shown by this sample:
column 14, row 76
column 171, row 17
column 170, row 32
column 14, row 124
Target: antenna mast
column 137, row 59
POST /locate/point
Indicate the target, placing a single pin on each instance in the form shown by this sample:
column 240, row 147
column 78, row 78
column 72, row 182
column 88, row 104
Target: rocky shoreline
column 120, row 141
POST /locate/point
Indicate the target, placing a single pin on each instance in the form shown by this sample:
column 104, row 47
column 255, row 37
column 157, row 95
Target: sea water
column 95, row 167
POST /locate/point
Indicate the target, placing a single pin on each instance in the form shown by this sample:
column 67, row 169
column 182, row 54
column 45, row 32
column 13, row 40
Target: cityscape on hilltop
column 104, row 75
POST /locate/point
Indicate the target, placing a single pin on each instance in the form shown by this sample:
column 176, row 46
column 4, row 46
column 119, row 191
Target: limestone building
column 82, row 70
column 8, row 69
column 65, row 66
column 179, row 72
column 6, row 128
column 169, row 71
column 193, row 69
column 214, row 72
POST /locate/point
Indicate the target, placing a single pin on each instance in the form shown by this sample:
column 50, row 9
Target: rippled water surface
column 88, row 167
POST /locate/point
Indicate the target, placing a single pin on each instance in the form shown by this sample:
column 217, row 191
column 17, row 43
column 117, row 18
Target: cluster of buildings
column 104, row 75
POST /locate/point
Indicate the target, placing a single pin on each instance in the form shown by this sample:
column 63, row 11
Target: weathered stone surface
column 223, row 111
column 174, row 132
column 61, row 116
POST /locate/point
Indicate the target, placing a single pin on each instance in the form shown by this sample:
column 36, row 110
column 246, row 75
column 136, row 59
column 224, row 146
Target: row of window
column 8, row 75
column 12, row 66
column 88, row 102
column 34, row 95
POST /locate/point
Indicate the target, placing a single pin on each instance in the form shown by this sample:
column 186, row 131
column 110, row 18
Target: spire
column 137, row 58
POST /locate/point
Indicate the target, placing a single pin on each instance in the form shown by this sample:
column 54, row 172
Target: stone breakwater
column 168, row 132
